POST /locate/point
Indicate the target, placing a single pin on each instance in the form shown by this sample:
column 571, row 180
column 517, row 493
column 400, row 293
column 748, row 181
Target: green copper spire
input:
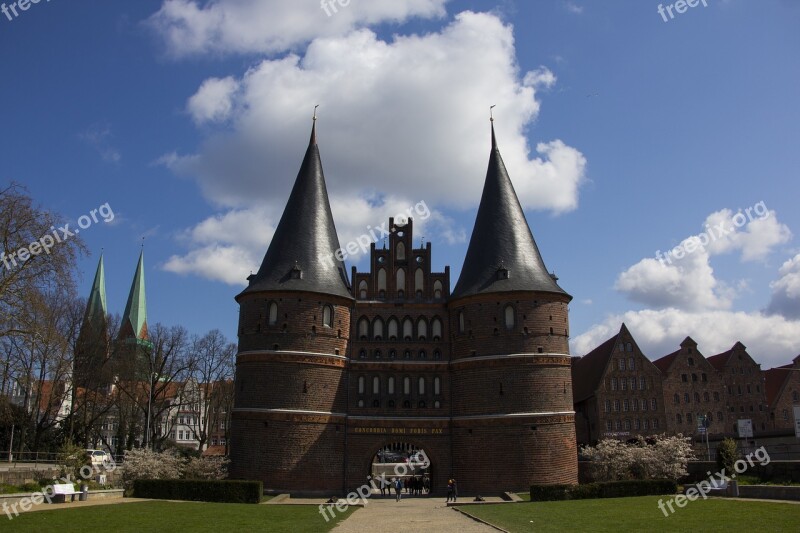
column 134, row 320
column 96, row 309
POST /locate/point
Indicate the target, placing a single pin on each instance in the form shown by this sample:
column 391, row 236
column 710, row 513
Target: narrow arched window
column 422, row 329
column 363, row 329
column 392, row 329
column 362, row 289
column 327, row 316
column 419, row 284
column 437, row 289
column 436, row 329
column 422, row 385
column 461, row 321
column 401, row 280
column 406, row 385
column 390, row 385
column 401, row 251
column 509, row 317
column 361, row 384
column 377, row 329
column 437, row 385
column 273, row 314
column 408, row 329
column 376, row 385
column 382, row 279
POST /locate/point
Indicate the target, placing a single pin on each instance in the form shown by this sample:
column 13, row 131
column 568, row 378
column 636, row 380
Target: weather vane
column 315, row 111
column 491, row 118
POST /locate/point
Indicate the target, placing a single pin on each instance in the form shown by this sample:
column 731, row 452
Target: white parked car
column 98, row 457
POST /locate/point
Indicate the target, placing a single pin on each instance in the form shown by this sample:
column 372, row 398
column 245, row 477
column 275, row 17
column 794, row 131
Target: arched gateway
column 404, row 461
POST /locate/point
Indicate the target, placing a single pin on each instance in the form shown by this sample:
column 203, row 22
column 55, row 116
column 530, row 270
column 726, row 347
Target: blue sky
column 622, row 133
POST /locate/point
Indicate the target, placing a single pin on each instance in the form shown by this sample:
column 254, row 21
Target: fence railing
column 27, row 459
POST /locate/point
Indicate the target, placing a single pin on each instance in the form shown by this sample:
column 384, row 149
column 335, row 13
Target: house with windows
column 617, row 392
column 693, row 389
column 745, row 394
column 783, row 395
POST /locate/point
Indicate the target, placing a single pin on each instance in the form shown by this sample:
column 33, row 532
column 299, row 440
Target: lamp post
column 11, row 446
column 148, row 443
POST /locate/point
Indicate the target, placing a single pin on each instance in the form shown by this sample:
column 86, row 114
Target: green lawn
column 175, row 517
column 641, row 514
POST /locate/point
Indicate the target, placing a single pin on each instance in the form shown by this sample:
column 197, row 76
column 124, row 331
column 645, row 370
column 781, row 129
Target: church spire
column 96, row 309
column 502, row 254
column 134, row 319
column 302, row 254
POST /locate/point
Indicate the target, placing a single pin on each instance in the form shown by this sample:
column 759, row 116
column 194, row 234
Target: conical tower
column 134, row 319
column 512, row 386
column 294, row 325
column 91, row 350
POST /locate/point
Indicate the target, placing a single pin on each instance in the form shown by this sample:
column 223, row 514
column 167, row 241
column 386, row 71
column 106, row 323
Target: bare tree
column 214, row 362
column 37, row 253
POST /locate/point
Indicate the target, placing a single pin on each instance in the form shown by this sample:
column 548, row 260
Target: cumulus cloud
column 401, row 120
column 660, row 332
column 213, row 101
column 683, row 277
column 191, row 27
column 786, row 290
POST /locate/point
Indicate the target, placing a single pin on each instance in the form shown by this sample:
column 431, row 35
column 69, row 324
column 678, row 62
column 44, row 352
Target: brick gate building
column 329, row 372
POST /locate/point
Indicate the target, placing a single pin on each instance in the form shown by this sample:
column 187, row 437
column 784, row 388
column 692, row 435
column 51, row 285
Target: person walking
column 449, row 490
column 398, row 489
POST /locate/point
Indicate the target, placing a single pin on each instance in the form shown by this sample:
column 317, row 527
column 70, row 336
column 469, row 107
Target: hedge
column 228, row 491
column 607, row 489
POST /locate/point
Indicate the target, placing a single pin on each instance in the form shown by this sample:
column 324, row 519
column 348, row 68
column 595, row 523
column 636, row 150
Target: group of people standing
column 416, row 486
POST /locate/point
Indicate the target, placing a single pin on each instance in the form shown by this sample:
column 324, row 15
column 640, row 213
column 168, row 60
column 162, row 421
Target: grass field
column 641, row 514
column 175, row 517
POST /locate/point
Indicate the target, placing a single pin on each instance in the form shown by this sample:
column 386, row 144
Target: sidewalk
column 410, row 515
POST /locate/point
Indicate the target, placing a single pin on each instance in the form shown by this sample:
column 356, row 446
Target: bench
column 62, row 490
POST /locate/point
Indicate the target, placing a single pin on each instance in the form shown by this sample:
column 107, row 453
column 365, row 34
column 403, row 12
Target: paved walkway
column 410, row 514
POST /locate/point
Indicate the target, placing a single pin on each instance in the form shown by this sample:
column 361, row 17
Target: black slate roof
column 301, row 254
column 502, row 240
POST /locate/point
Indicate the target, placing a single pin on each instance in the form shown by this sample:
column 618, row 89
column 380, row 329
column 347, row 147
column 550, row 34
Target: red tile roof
column 774, row 379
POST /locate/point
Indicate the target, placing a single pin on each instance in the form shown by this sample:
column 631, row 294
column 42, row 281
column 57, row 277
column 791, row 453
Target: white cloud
column 786, row 290
column 99, row 136
column 660, row 332
column 213, row 101
column 574, row 8
column 190, row 27
column 403, row 121
column 683, row 277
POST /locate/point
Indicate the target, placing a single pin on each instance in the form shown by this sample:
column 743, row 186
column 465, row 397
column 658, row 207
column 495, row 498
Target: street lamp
column 149, row 444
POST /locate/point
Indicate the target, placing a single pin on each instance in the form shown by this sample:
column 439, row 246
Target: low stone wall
column 11, row 499
column 769, row 492
column 19, row 476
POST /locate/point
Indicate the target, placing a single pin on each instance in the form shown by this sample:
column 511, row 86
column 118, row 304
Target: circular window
column 400, row 233
column 381, row 259
column 419, row 259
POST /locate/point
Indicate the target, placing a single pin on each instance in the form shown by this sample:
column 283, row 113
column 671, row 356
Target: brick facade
column 490, row 402
column 692, row 388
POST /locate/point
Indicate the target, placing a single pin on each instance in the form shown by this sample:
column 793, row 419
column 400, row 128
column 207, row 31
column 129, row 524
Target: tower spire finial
column 491, row 121
column 313, row 141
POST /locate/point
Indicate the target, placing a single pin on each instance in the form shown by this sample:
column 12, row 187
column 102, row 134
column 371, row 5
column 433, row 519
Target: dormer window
column 296, row 272
column 502, row 273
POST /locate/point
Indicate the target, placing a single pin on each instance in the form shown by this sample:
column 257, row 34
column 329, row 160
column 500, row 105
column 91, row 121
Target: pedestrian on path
column 398, row 489
column 450, row 486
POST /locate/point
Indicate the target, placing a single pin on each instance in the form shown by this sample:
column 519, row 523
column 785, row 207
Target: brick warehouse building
column 329, row 373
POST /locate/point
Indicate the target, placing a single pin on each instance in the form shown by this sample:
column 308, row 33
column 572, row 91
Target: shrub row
column 607, row 489
column 228, row 491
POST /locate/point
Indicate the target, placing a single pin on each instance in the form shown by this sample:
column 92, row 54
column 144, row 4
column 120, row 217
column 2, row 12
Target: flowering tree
column 142, row 463
column 206, row 468
column 656, row 457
